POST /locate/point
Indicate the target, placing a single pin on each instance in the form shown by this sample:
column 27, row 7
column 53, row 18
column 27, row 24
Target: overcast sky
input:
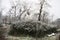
column 54, row 10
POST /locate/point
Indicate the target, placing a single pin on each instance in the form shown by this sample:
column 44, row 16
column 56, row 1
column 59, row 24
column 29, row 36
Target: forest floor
column 30, row 38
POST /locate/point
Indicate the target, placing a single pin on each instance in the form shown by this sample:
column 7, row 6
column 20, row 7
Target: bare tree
column 0, row 16
column 40, row 11
column 19, row 9
column 45, row 17
column 42, row 4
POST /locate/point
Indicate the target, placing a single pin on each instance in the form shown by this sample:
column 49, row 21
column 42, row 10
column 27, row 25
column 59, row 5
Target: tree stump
column 58, row 36
column 2, row 36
